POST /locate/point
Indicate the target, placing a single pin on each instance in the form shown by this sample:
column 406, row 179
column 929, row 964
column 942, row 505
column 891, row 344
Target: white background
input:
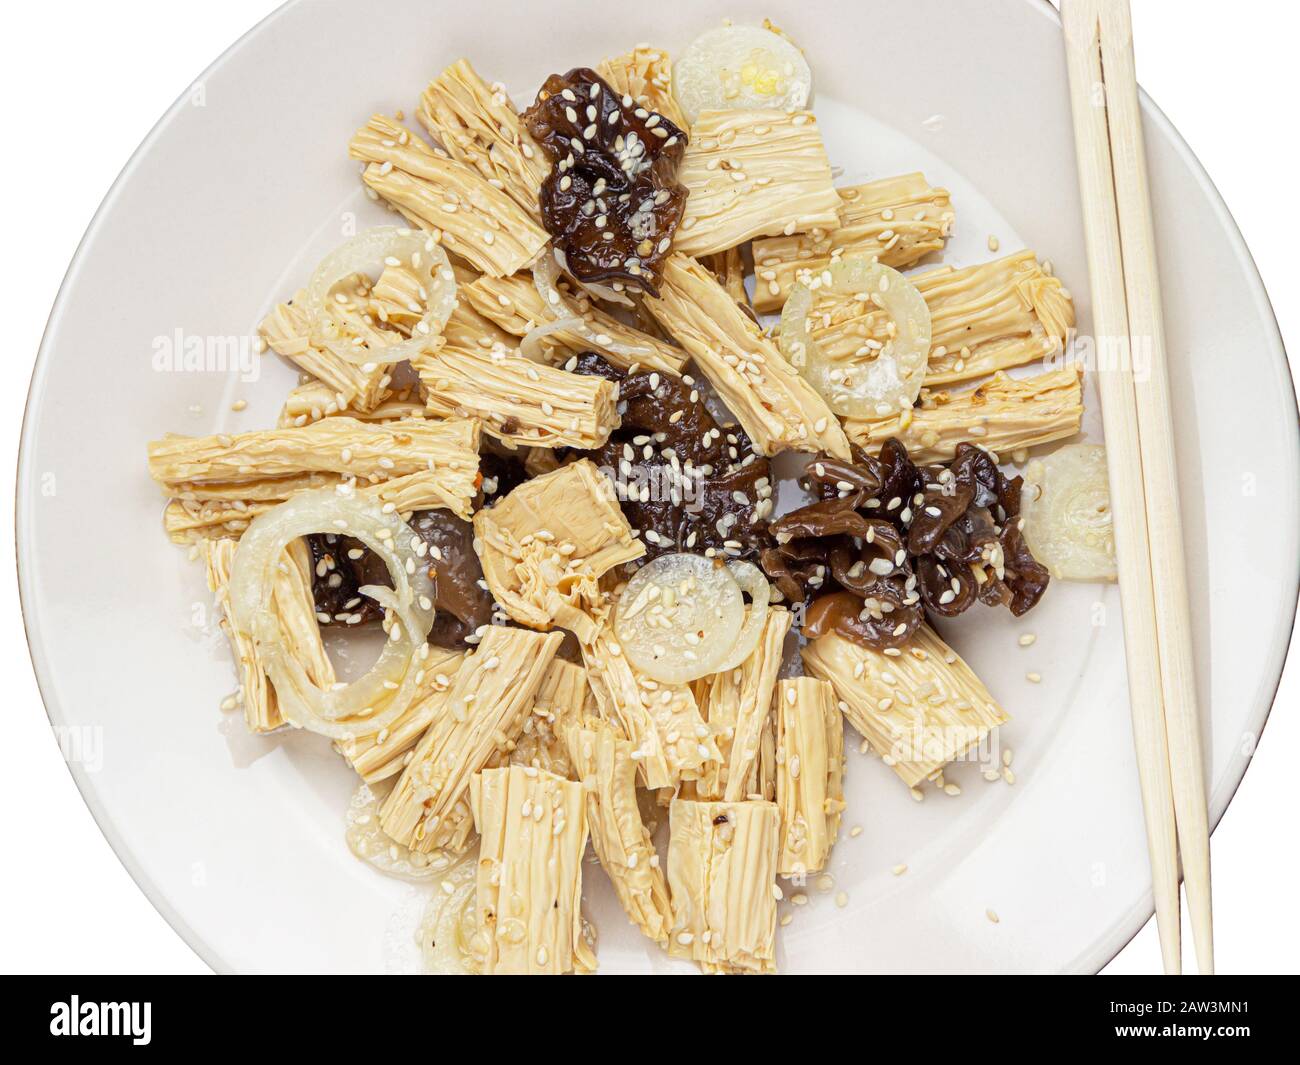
column 81, row 85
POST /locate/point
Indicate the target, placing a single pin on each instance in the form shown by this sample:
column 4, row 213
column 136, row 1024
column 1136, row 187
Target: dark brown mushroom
column 888, row 541
column 611, row 202
column 684, row 481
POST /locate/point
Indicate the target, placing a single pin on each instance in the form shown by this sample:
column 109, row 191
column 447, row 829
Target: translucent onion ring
column 1065, row 504
column 546, row 276
column 891, row 382
column 376, row 700
column 740, row 67
column 674, row 617
column 368, row 841
column 449, row 939
column 530, row 346
column 606, row 293
column 752, row 581
column 593, row 288
column 380, row 247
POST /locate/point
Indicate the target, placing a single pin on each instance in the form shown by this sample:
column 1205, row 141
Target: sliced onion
column 376, row 700
column 607, row 293
column 368, row 253
column 1065, row 504
column 751, row 580
column 448, row 933
column 368, row 841
column 530, row 346
column 678, row 617
column 594, row 288
column 891, row 381
column 546, row 277
column 741, row 67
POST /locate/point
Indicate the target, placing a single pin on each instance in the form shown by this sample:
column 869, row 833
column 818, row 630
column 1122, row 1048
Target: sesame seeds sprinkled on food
column 945, row 537
column 686, row 481
column 581, row 369
column 611, row 203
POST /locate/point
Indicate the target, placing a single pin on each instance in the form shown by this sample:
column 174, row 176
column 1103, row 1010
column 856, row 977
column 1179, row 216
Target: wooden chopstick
column 1160, row 471
column 1153, row 606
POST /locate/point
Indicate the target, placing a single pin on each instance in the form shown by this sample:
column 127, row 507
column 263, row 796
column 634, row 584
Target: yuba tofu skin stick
column 466, row 214
column 722, row 860
column 777, row 408
column 919, row 710
column 753, row 174
column 809, row 773
column 1002, row 415
column 484, row 713
column 603, row 763
column 896, row 221
column 532, row 827
column 478, row 126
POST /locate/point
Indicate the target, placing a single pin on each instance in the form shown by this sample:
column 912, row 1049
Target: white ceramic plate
column 245, row 183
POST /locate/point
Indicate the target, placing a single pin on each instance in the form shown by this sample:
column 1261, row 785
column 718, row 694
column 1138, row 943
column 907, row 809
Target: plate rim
column 1102, row 952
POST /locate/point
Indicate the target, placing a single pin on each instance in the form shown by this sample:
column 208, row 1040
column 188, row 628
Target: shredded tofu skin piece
column 378, row 756
column 738, row 708
column 603, row 762
column 519, row 401
column 1002, row 415
column 753, row 174
column 315, row 400
column 777, row 408
column 919, row 710
column 984, row 318
column 670, row 740
column 484, row 713
column 994, row 316
column 809, row 773
column 533, row 827
column 293, row 603
column 645, row 75
column 466, row 214
column 479, row 126
column 267, row 466
column 540, row 460
column 545, row 546
column 729, row 268
column 467, row 330
column 514, row 305
column 188, row 520
column 561, row 703
column 287, row 331
column 257, row 696
column 896, row 221
column 398, row 299
column 338, row 445
column 425, row 490
column 722, row 859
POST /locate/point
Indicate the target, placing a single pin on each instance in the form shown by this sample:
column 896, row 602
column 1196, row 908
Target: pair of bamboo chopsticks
column 1142, row 466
